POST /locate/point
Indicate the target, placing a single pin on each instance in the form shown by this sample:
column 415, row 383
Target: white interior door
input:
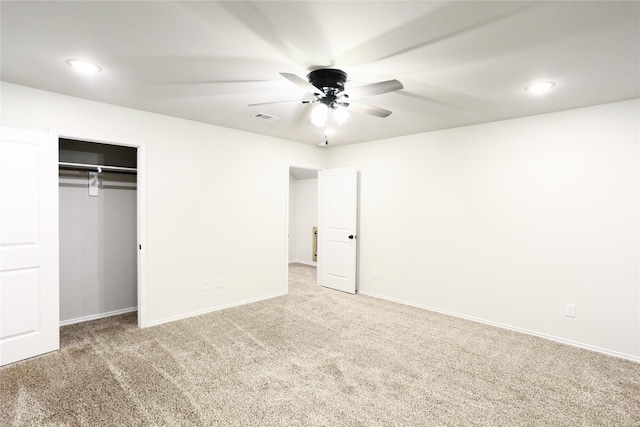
column 337, row 225
column 29, row 301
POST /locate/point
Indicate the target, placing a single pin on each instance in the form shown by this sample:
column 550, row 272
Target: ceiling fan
column 327, row 86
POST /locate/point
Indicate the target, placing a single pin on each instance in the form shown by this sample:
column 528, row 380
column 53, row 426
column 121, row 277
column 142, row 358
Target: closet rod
column 98, row 168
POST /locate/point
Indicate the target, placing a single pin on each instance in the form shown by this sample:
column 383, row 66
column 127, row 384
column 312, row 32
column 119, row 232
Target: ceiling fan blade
column 374, row 89
column 368, row 109
column 302, row 83
column 300, row 101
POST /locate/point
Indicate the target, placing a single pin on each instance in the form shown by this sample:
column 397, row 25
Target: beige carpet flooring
column 316, row 357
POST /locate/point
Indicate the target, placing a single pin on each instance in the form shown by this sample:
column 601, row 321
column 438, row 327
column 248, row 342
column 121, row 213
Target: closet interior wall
column 98, row 233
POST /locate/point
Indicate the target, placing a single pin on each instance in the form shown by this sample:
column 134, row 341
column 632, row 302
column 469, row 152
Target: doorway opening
column 302, row 216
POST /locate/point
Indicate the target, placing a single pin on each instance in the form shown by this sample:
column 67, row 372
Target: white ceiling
column 461, row 63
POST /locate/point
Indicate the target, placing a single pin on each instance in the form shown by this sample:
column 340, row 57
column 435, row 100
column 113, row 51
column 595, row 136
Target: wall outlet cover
column 570, row 310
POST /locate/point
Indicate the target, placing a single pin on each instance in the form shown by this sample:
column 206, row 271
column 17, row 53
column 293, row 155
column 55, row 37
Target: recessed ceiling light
column 84, row 67
column 539, row 87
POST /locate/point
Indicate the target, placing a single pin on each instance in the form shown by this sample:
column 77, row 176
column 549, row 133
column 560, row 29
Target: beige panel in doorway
column 314, row 244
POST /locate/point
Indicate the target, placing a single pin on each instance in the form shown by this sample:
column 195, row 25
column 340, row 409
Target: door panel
column 337, row 220
column 20, row 287
column 29, row 322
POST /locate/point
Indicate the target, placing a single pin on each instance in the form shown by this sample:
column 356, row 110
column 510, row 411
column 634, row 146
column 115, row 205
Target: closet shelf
column 97, row 168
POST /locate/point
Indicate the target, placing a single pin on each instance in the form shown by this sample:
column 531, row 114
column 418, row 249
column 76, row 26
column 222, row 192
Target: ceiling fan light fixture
column 327, row 85
column 340, row 114
column 539, row 87
column 84, row 67
column 319, row 115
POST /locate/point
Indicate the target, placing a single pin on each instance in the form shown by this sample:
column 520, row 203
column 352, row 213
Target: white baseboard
column 311, row 263
column 212, row 309
column 511, row 328
column 97, row 316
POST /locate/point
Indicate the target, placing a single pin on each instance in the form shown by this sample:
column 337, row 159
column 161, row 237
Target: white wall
column 98, row 245
column 506, row 222
column 215, row 198
column 306, row 218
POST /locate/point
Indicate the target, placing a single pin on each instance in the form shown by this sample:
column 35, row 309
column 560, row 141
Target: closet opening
column 98, row 230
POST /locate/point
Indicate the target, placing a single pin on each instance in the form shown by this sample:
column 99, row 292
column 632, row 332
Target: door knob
column 351, row 236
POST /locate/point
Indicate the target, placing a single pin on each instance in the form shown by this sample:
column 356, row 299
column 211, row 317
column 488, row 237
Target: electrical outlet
column 570, row 310
column 219, row 283
column 206, row 285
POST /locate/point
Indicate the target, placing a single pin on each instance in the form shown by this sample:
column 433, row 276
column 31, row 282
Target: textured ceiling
column 461, row 63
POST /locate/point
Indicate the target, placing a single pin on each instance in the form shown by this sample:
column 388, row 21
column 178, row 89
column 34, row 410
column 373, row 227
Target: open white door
column 29, row 301
column 337, row 224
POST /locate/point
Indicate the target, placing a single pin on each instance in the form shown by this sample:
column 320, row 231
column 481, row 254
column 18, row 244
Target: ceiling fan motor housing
column 330, row 80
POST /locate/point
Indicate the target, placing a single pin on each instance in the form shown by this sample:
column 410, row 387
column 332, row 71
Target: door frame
column 141, row 195
column 316, row 168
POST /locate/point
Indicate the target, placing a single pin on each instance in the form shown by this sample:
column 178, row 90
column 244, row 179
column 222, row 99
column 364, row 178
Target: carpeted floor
column 316, row 357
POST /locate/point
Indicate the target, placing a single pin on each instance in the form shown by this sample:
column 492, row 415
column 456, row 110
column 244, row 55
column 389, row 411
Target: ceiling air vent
column 267, row 117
